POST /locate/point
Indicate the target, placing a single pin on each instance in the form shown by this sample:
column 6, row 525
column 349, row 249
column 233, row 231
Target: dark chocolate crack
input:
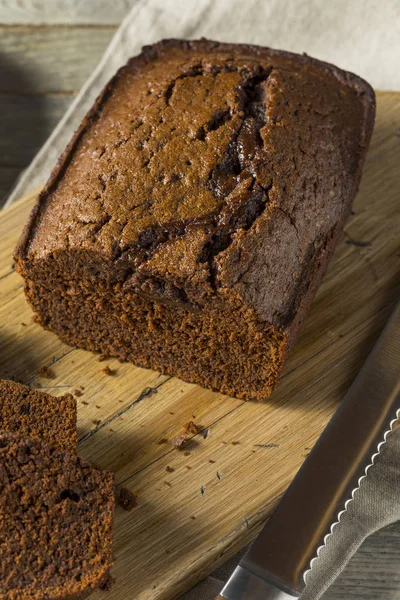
column 233, row 182
column 238, row 160
column 195, row 71
column 219, row 119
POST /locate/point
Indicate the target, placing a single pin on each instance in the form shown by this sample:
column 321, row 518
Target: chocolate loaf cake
column 56, row 517
column 34, row 414
column 188, row 223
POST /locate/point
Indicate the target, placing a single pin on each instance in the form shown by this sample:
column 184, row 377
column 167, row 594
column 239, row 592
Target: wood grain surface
column 196, row 508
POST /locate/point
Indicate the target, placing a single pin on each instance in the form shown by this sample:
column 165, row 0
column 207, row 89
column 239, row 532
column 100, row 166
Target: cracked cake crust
column 196, row 208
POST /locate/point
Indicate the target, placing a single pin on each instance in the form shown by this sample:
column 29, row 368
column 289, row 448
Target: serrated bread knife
column 275, row 566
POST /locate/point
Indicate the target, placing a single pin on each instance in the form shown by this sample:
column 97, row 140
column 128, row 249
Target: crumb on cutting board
column 107, row 585
column 77, row 393
column 46, row 372
column 127, row 499
column 191, row 427
column 179, row 441
column 108, row 371
column 102, row 357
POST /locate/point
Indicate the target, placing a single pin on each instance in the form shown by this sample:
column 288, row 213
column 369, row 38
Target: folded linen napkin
column 339, row 33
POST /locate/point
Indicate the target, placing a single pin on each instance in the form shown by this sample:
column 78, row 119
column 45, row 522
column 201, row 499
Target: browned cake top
column 56, row 517
column 169, row 146
column 35, row 414
column 190, row 144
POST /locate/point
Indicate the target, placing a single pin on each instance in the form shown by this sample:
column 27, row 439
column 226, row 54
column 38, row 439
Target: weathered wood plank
column 41, row 70
column 160, row 549
column 43, row 60
column 36, row 12
column 28, row 122
column 8, row 176
column 373, row 572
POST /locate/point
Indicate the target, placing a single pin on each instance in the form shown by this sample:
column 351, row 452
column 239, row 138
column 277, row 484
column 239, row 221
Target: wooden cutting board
column 196, row 508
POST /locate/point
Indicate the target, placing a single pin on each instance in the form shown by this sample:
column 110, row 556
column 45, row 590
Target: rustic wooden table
column 47, row 50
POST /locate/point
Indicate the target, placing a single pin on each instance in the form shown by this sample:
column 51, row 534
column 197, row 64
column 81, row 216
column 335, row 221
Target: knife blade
column 275, row 566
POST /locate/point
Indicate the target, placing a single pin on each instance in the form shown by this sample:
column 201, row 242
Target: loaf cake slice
column 188, row 223
column 56, row 517
column 32, row 413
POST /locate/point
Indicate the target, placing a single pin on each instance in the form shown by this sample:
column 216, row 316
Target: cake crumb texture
column 34, row 414
column 56, row 517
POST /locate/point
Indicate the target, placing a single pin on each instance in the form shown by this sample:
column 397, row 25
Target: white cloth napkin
column 365, row 41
